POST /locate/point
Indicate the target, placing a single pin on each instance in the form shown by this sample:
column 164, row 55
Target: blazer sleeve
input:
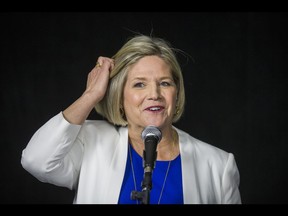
column 54, row 153
column 231, row 181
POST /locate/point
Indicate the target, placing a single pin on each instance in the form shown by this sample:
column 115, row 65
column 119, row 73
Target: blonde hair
column 111, row 106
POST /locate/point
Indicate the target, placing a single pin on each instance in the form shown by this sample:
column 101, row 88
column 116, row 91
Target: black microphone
column 151, row 136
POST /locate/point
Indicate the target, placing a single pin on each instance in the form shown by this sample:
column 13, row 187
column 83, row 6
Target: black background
column 234, row 68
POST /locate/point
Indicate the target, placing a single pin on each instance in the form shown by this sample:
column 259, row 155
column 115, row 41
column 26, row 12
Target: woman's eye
column 165, row 84
column 139, row 85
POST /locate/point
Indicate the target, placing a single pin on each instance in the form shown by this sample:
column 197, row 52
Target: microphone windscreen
column 152, row 131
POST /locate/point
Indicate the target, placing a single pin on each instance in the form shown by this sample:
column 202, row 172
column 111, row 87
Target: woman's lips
column 155, row 108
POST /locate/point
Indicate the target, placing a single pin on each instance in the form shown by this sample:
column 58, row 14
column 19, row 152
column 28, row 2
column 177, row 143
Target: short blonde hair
column 111, row 106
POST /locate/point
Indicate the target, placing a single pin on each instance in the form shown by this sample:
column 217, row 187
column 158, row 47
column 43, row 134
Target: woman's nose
column 154, row 92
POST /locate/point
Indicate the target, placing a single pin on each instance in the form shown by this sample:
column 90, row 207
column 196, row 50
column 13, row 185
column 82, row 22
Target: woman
column 140, row 86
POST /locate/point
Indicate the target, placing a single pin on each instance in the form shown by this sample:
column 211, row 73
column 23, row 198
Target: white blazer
column 91, row 158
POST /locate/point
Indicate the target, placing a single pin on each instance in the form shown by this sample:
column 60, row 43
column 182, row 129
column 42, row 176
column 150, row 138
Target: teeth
column 154, row 108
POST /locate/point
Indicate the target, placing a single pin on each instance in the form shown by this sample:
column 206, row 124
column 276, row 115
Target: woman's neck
column 167, row 149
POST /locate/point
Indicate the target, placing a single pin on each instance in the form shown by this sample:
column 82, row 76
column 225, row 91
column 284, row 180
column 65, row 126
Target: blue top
column 172, row 190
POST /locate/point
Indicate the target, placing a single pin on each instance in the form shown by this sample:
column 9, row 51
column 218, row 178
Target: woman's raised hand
column 98, row 79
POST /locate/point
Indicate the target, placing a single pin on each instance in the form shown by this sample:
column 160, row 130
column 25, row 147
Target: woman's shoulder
column 200, row 147
column 97, row 123
column 101, row 125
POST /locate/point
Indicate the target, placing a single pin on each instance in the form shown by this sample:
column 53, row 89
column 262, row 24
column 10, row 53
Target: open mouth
column 155, row 108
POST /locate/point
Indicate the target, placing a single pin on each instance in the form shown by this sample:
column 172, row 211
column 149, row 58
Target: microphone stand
column 146, row 184
column 151, row 136
column 144, row 195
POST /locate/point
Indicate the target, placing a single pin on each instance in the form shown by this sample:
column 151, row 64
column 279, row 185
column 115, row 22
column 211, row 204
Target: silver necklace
column 134, row 178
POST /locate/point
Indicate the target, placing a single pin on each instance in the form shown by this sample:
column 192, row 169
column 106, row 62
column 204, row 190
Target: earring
column 122, row 113
column 177, row 111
